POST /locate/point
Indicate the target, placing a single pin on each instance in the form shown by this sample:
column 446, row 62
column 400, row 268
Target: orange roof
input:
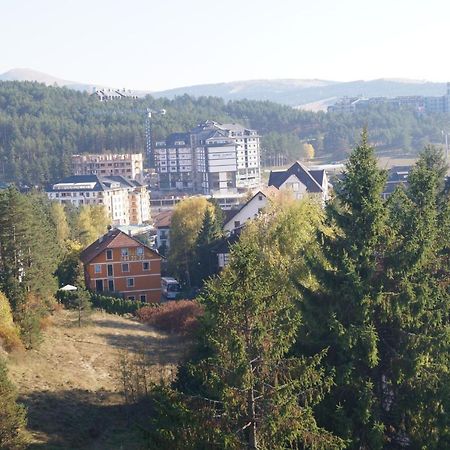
column 113, row 239
column 163, row 219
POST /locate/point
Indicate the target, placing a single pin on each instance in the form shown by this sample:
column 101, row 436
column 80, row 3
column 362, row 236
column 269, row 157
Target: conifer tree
column 382, row 311
column 12, row 415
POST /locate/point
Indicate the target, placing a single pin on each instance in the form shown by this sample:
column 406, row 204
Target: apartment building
column 126, row 202
column 119, row 264
column 174, row 162
column 212, row 159
column 128, row 165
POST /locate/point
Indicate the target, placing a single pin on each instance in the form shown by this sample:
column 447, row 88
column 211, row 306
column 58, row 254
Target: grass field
column 69, row 384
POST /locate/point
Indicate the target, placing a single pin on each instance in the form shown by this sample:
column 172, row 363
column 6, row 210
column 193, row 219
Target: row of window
column 124, row 252
column 125, row 268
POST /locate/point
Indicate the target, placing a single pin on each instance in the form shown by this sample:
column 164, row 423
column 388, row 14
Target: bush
column 173, row 317
column 116, row 305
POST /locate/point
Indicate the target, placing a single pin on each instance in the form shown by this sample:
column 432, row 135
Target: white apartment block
column 212, row 159
column 174, row 162
column 127, row 165
column 126, row 202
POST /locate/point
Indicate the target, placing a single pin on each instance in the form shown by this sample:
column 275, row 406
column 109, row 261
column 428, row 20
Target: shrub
column 9, row 334
column 173, row 317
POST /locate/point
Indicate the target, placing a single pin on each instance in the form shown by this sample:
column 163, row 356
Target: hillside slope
column 69, row 384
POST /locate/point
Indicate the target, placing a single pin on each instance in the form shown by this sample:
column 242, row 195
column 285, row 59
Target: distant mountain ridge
column 312, row 93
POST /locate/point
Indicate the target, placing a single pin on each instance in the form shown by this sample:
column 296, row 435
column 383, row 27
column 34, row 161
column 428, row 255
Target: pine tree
column 382, row 308
column 246, row 391
column 12, row 415
column 339, row 313
column 210, row 232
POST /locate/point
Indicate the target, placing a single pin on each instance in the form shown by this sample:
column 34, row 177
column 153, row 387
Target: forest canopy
column 41, row 127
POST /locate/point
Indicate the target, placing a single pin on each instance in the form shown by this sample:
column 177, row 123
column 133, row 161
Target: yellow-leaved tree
column 9, row 334
column 309, row 151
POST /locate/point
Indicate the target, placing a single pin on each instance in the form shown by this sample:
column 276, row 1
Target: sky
column 156, row 44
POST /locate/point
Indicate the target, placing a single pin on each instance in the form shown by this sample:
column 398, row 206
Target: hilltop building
column 126, row 201
column 108, row 94
column 439, row 104
column 119, row 264
column 212, row 158
column 127, row 165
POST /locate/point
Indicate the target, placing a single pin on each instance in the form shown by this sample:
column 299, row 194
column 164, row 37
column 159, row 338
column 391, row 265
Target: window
column 110, row 270
column 124, row 252
column 130, row 282
column 146, row 265
column 98, row 268
column 143, row 298
column 131, row 297
column 109, row 254
column 111, row 285
column 140, row 251
column 125, row 267
column 237, row 224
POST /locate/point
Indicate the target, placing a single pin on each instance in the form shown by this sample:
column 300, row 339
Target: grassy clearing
column 69, row 384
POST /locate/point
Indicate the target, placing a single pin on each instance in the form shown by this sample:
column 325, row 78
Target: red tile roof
column 113, row 239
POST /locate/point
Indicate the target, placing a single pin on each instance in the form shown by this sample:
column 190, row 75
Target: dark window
column 99, row 285
column 111, row 285
column 130, row 282
column 110, row 270
column 143, row 298
column 146, row 266
column 237, row 224
column 131, row 297
column 109, row 254
column 125, row 267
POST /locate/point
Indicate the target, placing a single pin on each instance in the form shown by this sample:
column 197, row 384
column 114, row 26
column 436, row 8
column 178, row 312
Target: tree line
column 41, row 127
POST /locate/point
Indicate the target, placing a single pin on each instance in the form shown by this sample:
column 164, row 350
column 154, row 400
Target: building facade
column 119, row 264
column 211, row 159
column 126, row 202
column 127, row 165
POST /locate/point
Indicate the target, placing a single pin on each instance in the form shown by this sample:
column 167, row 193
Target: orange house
column 120, row 264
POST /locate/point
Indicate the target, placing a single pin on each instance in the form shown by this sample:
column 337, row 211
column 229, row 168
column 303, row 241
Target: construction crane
column 148, row 134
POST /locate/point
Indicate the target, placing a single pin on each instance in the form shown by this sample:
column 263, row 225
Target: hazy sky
column 156, row 44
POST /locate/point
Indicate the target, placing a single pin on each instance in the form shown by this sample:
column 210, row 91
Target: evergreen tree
column 210, row 232
column 381, row 308
column 12, row 415
column 246, row 391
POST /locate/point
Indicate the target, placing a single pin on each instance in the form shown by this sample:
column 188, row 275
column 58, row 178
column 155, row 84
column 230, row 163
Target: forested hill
column 40, row 127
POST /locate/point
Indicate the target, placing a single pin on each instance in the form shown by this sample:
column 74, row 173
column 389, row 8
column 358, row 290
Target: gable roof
column 113, row 239
column 163, row 219
column 302, row 173
column 232, row 214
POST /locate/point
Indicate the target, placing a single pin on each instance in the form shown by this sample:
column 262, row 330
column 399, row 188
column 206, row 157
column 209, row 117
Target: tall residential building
column 212, row 158
column 174, row 162
column 127, row 165
column 126, row 202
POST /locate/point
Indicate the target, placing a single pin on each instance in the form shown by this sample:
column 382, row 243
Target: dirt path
column 69, row 384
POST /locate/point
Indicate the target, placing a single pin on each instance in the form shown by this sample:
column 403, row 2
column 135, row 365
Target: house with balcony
column 117, row 263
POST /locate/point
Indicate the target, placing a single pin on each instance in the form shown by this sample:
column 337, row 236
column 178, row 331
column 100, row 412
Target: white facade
column 249, row 211
column 124, row 202
column 128, row 165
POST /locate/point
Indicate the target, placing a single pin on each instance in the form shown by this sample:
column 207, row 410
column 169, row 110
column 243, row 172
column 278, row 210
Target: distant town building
column 125, row 201
column 127, row 165
column 439, row 104
column 108, row 94
column 120, row 264
column 211, row 159
column 162, row 223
